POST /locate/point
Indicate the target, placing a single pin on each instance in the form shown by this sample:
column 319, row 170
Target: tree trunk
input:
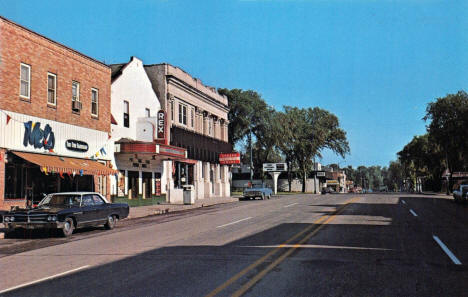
column 304, row 178
column 289, row 175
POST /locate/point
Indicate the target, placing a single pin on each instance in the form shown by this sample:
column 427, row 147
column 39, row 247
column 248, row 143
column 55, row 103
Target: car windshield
column 60, row 200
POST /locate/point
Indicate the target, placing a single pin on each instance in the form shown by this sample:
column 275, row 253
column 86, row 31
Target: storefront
column 148, row 169
column 40, row 156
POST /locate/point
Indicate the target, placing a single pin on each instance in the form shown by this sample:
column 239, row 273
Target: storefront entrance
column 25, row 181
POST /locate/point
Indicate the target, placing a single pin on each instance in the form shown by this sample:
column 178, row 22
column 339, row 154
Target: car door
column 100, row 207
column 88, row 209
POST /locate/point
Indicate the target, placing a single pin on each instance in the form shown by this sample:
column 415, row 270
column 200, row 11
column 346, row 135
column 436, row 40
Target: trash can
column 189, row 194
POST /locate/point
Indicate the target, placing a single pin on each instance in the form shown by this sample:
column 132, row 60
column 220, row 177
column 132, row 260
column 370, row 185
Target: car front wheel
column 110, row 224
column 68, row 227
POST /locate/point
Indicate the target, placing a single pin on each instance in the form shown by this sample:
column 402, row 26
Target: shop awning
column 66, row 164
column 188, row 161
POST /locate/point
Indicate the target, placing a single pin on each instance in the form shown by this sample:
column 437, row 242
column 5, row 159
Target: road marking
column 271, row 253
column 264, row 272
column 404, row 202
column 318, row 246
column 290, row 205
column 446, row 250
column 413, row 213
column 232, row 223
column 43, row 279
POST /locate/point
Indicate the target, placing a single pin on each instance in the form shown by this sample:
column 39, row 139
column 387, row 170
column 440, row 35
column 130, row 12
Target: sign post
column 275, row 169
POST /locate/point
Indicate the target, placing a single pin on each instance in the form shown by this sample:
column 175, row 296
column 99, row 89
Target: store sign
column 161, row 124
column 34, row 135
column 320, row 173
column 232, row 158
column 76, row 145
column 268, row 167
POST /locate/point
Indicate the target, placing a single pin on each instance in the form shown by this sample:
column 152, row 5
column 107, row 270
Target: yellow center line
column 327, row 219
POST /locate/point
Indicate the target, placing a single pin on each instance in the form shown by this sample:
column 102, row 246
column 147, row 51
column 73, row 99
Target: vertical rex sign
column 161, row 134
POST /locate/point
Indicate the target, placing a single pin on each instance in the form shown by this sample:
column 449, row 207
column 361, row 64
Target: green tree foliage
column 448, row 128
column 311, row 131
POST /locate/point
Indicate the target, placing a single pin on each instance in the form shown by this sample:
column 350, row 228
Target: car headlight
column 6, row 219
column 52, row 218
column 9, row 219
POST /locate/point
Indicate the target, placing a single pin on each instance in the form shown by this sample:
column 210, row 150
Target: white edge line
column 43, row 279
column 447, row 251
column 234, row 222
column 290, row 205
column 413, row 213
column 404, row 202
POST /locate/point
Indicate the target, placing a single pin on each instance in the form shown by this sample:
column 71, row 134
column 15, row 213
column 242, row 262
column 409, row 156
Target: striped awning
column 66, row 164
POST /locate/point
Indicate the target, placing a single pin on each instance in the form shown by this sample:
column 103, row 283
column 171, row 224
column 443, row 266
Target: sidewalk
column 143, row 211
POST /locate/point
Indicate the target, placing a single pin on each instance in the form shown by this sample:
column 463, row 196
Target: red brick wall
column 19, row 45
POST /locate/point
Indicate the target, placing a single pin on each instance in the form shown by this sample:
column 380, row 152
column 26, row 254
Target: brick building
column 54, row 118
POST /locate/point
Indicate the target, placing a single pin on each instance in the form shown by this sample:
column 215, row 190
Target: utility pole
column 251, row 159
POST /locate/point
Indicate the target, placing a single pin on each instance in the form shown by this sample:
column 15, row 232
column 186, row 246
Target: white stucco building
column 137, row 155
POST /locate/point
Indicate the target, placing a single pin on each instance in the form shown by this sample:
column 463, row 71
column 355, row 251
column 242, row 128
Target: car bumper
column 35, row 225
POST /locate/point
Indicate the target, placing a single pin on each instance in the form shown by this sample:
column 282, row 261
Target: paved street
column 293, row 245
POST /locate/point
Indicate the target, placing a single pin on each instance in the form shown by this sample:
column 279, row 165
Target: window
column 98, row 200
column 126, row 114
column 94, row 102
column 51, row 89
column 192, row 117
column 183, row 114
column 75, row 91
column 172, row 111
column 87, row 200
column 25, row 80
column 147, row 112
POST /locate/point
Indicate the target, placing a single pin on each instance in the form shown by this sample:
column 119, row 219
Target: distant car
column 257, row 191
column 66, row 212
column 328, row 191
column 460, row 193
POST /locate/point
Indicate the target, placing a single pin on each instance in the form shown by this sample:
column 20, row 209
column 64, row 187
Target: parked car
column 257, row 191
column 460, row 193
column 68, row 211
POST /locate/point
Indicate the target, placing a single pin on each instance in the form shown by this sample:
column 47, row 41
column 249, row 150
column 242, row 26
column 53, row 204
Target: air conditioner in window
column 76, row 105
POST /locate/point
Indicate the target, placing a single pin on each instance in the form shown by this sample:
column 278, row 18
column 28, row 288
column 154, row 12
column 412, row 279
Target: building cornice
column 188, row 88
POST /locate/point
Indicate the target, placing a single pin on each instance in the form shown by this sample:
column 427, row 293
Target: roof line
column 53, row 41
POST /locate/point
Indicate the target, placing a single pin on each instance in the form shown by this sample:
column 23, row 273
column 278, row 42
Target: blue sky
column 375, row 64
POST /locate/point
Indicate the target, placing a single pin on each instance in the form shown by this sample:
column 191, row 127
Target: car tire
column 68, row 227
column 110, row 224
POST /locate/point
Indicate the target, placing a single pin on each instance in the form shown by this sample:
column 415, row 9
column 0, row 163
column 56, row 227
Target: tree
column 312, row 130
column 448, row 122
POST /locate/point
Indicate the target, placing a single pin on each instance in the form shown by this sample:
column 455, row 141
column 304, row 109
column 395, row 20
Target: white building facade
column 138, row 157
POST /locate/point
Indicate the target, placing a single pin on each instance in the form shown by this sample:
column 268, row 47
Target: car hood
column 39, row 210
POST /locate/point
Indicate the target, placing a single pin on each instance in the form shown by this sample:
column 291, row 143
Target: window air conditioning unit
column 76, row 105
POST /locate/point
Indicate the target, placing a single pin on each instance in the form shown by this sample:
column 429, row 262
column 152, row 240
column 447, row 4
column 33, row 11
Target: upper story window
column 172, row 110
column 183, row 114
column 51, row 89
column 147, row 112
column 25, row 81
column 94, row 102
column 126, row 114
column 192, row 117
column 75, row 91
